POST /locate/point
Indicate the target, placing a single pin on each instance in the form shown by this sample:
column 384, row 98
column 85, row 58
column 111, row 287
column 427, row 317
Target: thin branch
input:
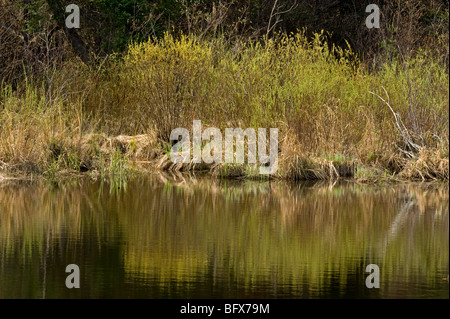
column 277, row 16
column 401, row 128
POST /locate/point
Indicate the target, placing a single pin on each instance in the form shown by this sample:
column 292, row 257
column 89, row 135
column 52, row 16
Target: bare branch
column 400, row 126
column 277, row 15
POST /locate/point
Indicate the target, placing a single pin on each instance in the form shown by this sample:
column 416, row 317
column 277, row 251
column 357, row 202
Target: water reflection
column 184, row 237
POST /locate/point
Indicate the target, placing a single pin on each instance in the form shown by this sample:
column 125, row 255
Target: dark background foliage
column 33, row 39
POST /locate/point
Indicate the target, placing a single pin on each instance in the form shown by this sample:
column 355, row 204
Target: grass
column 318, row 95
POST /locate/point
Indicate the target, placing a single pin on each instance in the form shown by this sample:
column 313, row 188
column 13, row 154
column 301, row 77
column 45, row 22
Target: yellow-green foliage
column 316, row 88
column 315, row 93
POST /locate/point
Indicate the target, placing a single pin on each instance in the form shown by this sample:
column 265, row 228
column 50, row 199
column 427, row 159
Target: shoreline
column 334, row 118
column 123, row 156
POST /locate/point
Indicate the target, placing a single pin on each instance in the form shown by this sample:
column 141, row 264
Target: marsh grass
column 317, row 94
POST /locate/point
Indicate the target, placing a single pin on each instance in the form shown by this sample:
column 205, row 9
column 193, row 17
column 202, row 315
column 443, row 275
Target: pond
column 195, row 237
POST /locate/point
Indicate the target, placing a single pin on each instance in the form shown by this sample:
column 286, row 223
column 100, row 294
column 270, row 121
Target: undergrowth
column 335, row 118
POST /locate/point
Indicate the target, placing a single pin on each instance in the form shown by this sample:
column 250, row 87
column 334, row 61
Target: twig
column 401, row 128
column 277, row 15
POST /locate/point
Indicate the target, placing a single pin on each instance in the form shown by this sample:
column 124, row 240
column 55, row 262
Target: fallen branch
column 400, row 126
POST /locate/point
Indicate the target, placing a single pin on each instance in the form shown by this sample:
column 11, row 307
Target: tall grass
column 318, row 95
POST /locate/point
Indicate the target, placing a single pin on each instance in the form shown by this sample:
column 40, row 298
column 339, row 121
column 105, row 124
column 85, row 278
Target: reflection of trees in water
column 417, row 207
column 415, row 245
column 406, row 213
column 308, row 228
column 245, row 232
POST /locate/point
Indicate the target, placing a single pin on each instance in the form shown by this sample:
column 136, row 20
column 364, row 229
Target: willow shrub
column 319, row 91
column 318, row 95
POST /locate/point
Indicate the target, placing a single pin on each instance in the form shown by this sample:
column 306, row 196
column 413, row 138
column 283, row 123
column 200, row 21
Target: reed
column 335, row 118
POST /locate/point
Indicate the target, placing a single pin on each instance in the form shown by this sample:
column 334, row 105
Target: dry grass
column 318, row 96
column 429, row 165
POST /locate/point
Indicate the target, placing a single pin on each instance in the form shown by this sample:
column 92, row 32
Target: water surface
column 159, row 237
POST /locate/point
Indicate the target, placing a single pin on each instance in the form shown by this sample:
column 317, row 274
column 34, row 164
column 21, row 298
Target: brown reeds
column 335, row 119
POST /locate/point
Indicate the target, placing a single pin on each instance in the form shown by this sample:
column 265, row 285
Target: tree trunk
column 76, row 41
